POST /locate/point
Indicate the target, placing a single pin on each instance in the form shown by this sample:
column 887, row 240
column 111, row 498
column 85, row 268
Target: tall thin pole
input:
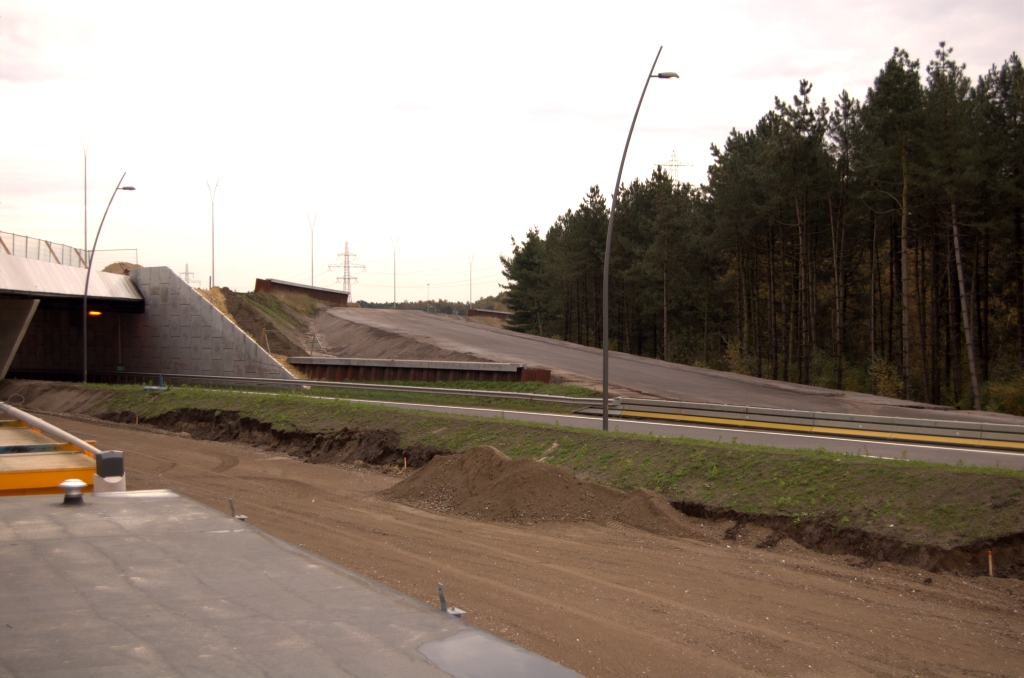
column 394, row 271
column 471, row 280
column 85, row 294
column 311, row 223
column 85, row 195
column 608, row 256
column 213, row 259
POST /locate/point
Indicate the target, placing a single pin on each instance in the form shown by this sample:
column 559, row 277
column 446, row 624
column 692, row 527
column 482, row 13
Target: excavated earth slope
column 484, row 483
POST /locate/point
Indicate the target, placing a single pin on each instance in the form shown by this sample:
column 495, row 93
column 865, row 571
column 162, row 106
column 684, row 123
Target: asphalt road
column 870, row 447
column 642, row 375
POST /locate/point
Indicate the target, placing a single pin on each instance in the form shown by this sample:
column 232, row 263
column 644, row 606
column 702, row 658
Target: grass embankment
column 911, row 502
column 442, row 399
column 525, row 387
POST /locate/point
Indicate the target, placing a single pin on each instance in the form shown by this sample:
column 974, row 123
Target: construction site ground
column 603, row 597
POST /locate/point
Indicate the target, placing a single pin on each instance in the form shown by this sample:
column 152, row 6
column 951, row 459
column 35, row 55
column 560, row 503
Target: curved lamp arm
column 88, row 273
column 608, row 244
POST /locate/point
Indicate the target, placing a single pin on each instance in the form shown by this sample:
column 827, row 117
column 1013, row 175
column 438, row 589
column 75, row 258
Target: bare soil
column 353, row 340
column 600, row 595
column 490, row 322
column 254, row 323
column 485, row 484
column 378, row 447
column 279, row 331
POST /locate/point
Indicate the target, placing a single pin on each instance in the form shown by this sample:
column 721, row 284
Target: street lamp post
column 394, row 271
column 471, row 257
column 88, row 273
column 608, row 243
column 213, row 259
column 85, row 196
column 311, row 223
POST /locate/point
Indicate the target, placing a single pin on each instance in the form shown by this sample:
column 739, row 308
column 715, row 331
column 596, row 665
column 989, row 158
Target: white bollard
column 111, row 484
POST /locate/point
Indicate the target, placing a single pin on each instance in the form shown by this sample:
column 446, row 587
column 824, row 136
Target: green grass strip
column 918, row 502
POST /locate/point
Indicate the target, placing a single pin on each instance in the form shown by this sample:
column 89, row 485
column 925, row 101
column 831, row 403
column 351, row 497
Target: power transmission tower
column 346, row 267
column 187, row 277
column 672, row 167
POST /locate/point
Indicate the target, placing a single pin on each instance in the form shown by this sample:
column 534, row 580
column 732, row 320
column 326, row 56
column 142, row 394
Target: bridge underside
column 148, row 320
column 42, row 310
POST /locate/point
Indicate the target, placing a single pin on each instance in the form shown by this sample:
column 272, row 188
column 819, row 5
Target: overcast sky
column 450, row 126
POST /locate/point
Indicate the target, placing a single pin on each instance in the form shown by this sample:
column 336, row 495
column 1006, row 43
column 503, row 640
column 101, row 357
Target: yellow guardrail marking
column 803, row 428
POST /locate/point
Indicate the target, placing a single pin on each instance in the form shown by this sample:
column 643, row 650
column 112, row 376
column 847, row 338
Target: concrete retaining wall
column 181, row 332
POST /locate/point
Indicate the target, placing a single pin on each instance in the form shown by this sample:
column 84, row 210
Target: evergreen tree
column 873, row 246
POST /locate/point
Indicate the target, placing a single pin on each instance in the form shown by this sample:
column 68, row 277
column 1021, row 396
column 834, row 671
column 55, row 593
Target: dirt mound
column 122, row 267
column 483, row 483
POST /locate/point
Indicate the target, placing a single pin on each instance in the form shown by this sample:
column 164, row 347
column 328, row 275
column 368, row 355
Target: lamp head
column 667, row 75
column 132, row 188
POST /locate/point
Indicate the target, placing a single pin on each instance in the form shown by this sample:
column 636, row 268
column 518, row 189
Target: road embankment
column 937, row 517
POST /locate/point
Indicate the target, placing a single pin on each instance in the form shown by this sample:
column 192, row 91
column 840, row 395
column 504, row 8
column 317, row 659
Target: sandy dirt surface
column 348, row 339
column 605, row 599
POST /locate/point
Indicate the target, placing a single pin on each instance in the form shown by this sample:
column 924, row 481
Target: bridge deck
column 153, row 584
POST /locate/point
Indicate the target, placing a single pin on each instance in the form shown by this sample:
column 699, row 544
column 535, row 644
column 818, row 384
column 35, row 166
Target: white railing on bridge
column 45, row 250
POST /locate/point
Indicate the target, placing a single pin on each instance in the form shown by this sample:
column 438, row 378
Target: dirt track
column 607, row 600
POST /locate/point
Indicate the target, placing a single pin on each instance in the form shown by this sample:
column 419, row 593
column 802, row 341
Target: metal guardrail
column 942, row 432
column 343, row 385
column 982, row 434
column 48, row 428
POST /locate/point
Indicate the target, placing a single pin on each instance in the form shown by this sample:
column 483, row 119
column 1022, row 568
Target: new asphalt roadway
column 870, row 447
column 345, row 328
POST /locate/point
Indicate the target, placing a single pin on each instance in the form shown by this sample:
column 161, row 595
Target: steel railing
column 44, row 250
column 269, row 382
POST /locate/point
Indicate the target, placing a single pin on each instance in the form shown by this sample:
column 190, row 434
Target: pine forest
column 872, row 245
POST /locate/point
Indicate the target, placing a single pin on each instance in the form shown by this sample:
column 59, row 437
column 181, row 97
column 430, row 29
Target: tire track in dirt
column 227, row 462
